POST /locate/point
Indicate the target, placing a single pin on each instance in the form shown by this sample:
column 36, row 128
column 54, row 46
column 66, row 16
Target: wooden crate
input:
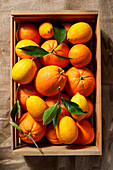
column 93, row 18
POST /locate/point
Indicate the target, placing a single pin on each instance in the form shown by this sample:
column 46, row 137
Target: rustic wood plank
column 98, row 87
column 56, row 12
column 57, row 150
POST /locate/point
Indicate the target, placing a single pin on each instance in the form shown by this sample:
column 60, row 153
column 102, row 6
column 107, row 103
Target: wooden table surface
column 104, row 162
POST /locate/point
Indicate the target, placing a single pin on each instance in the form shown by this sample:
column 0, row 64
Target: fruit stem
column 32, row 59
column 62, row 72
column 52, row 50
column 67, row 38
column 35, row 143
column 81, row 78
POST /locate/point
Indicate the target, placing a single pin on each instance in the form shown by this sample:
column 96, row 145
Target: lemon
column 24, row 71
column 36, row 107
column 82, row 102
column 79, row 33
column 24, row 43
column 67, row 130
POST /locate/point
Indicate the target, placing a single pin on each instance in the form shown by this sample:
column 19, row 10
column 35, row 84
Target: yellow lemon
column 24, row 43
column 46, row 30
column 24, row 71
column 66, row 130
column 80, row 32
column 36, row 107
column 82, row 102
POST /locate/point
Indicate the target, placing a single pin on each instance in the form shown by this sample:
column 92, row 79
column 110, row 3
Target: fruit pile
column 54, row 83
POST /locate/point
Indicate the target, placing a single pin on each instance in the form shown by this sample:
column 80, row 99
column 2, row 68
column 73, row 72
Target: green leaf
column 72, row 107
column 49, row 114
column 15, row 110
column 62, row 57
column 34, row 51
column 59, row 33
column 57, row 117
column 17, row 127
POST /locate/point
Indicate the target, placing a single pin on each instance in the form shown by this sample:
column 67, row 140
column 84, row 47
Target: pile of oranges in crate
column 54, row 83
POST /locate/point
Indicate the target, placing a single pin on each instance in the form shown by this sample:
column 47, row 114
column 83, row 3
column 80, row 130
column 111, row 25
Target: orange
column 28, row 31
column 90, row 109
column 48, row 79
column 28, row 124
column 79, row 80
column 38, row 64
column 80, row 54
column 50, row 101
column 51, row 58
column 67, row 27
column 24, row 71
column 46, row 30
column 25, row 90
column 51, row 135
column 24, row 43
column 86, row 133
column 36, row 107
column 66, row 130
column 80, row 32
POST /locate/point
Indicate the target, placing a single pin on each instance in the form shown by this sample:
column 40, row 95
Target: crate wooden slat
column 58, row 150
column 92, row 17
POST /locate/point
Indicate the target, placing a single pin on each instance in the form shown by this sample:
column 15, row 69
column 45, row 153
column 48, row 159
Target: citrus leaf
column 57, row 117
column 15, row 110
column 34, row 51
column 49, row 114
column 59, row 33
column 72, row 107
column 62, row 57
column 17, row 127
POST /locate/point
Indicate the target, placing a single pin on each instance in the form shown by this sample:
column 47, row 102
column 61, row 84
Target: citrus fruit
column 51, row 135
column 29, row 125
column 79, row 80
column 50, row 101
column 24, row 43
column 51, row 58
column 48, row 79
column 25, row 90
column 82, row 102
column 38, row 64
column 90, row 109
column 80, row 32
column 67, row 27
column 86, row 133
column 66, row 130
column 80, row 54
column 24, row 71
column 36, row 107
column 28, row 31
column 46, row 30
